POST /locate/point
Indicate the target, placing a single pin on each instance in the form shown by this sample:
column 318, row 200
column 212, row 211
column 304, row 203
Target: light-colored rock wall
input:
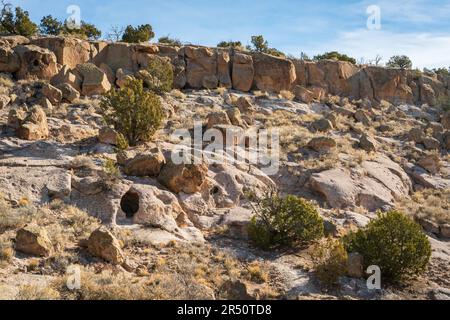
column 201, row 67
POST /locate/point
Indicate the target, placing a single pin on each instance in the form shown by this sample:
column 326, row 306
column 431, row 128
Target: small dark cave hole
column 130, row 204
column 215, row 190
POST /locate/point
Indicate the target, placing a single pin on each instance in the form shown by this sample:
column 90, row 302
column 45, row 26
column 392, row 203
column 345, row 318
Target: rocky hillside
column 353, row 140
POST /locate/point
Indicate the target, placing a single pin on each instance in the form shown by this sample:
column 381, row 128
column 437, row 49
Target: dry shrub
column 330, row 261
column 428, row 204
column 36, row 292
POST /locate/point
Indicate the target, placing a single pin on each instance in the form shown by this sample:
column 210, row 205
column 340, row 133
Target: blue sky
column 417, row 28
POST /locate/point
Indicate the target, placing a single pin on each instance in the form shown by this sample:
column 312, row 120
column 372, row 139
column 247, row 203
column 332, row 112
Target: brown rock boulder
column 69, row 93
column 304, row 95
column 103, row 244
column 243, row 72
column 34, row 126
column 367, row 143
column 146, row 164
column 385, row 84
column 322, row 144
column 223, row 69
column 9, row 60
column 65, row 75
column 94, row 80
column 218, row 118
column 273, row 74
column 33, row 240
column 187, row 178
column 201, row 67
column 68, row 51
column 54, row 95
column 36, row 63
column 107, row 135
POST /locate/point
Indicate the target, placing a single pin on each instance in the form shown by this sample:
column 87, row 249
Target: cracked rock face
column 374, row 185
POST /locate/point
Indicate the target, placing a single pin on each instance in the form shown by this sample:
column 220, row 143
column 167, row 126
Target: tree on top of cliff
column 230, row 44
column 400, row 62
column 50, row 26
column 259, row 44
column 142, row 33
column 334, row 55
column 86, row 30
column 16, row 21
column 442, row 71
column 170, row 41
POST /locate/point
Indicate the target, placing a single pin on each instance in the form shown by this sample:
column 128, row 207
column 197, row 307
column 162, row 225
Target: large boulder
column 187, row 178
column 273, row 74
column 33, row 240
column 53, row 94
column 385, row 84
column 243, row 72
column 223, row 69
column 116, row 56
column 65, row 75
column 201, row 67
column 68, row 51
column 103, row 244
column 154, row 207
column 376, row 184
column 339, row 77
column 322, row 144
column 145, row 164
column 9, row 60
column 68, row 92
column 218, row 118
column 36, row 63
column 31, row 125
column 302, row 94
column 94, row 80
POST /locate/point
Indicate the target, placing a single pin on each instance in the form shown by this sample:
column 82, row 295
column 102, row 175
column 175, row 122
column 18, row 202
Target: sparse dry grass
column 221, row 91
column 288, row 95
column 429, row 204
column 177, row 94
column 37, row 292
column 6, row 251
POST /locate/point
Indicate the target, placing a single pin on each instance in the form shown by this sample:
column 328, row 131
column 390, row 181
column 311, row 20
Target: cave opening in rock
column 130, row 204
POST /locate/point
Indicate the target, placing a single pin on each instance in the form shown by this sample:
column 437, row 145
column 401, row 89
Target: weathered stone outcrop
column 201, row 67
column 103, row 244
column 383, row 183
column 33, row 240
column 68, row 51
column 187, row 178
column 9, row 60
column 273, row 73
column 35, row 63
column 31, row 125
column 243, row 72
column 94, row 80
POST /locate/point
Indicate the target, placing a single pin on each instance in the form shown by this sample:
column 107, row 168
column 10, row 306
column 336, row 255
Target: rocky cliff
column 201, row 67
